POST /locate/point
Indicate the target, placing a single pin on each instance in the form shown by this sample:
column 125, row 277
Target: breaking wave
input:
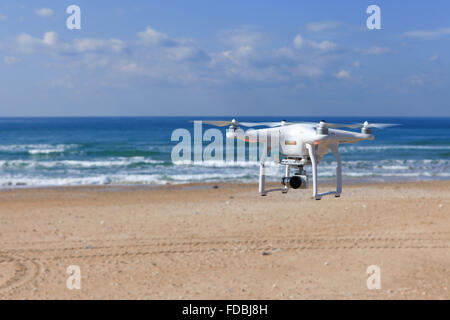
column 113, row 151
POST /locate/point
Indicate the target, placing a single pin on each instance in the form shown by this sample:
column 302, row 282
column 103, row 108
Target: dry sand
column 197, row 242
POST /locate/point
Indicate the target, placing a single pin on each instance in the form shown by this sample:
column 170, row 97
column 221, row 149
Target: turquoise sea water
column 101, row 151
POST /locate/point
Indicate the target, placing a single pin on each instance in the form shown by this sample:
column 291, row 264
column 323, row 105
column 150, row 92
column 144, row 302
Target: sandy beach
column 226, row 242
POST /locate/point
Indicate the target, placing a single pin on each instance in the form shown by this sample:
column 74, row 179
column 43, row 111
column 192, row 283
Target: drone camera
column 295, row 182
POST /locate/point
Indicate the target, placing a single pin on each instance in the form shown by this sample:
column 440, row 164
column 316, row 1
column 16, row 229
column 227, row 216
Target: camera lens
column 295, row 182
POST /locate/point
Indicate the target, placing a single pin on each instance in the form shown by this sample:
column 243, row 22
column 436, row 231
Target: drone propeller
column 377, row 125
column 266, row 124
column 234, row 122
column 322, row 124
column 357, row 125
column 218, row 123
column 257, row 124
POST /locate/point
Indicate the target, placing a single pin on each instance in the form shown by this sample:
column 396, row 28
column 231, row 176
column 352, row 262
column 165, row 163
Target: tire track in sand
column 24, row 262
column 154, row 246
column 24, row 270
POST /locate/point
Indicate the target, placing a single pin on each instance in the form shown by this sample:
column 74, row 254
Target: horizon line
column 223, row 116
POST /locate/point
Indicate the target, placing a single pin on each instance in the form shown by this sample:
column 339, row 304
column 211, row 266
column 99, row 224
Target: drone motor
column 322, row 129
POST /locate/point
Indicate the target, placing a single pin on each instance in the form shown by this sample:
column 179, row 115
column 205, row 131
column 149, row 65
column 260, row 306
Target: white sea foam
column 346, row 149
column 45, row 151
column 35, row 149
column 78, row 163
column 43, row 172
column 209, row 177
column 221, row 163
column 158, row 179
column 395, row 167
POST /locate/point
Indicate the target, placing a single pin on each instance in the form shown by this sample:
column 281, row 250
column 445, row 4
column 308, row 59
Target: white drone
column 300, row 144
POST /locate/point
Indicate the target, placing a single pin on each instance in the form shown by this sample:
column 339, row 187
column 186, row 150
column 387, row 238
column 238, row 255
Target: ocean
column 133, row 151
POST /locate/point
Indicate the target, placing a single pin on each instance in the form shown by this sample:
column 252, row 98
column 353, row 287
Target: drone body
column 300, row 144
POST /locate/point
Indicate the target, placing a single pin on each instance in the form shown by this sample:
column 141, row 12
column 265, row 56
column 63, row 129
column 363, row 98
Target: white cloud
column 155, row 56
column 376, row 50
column 175, row 49
column 128, row 66
column 233, row 61
column 310, row 71
column 2, row 17
column 285, row 52
column 427, row 34
column 10, row 60
column 248, row 64
column 356, row 64
column 50, row 38
column 343, row 74
column 152, row 37
column 187, row 53
column 322, row 25
column 94, row 45
column 44, row 12
column 244, row 36
column 323, row 45
column 27, row 43
column 298, row 41
column 434, row 57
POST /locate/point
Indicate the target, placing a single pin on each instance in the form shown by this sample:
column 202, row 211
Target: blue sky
column 203, row 58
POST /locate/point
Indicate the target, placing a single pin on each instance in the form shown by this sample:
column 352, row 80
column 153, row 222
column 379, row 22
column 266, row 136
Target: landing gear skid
column 312, row 155
column 262, row 175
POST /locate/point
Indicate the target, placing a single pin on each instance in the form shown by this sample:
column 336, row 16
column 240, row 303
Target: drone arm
column 312, row 156
column 287, row 173
column 262, row 179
